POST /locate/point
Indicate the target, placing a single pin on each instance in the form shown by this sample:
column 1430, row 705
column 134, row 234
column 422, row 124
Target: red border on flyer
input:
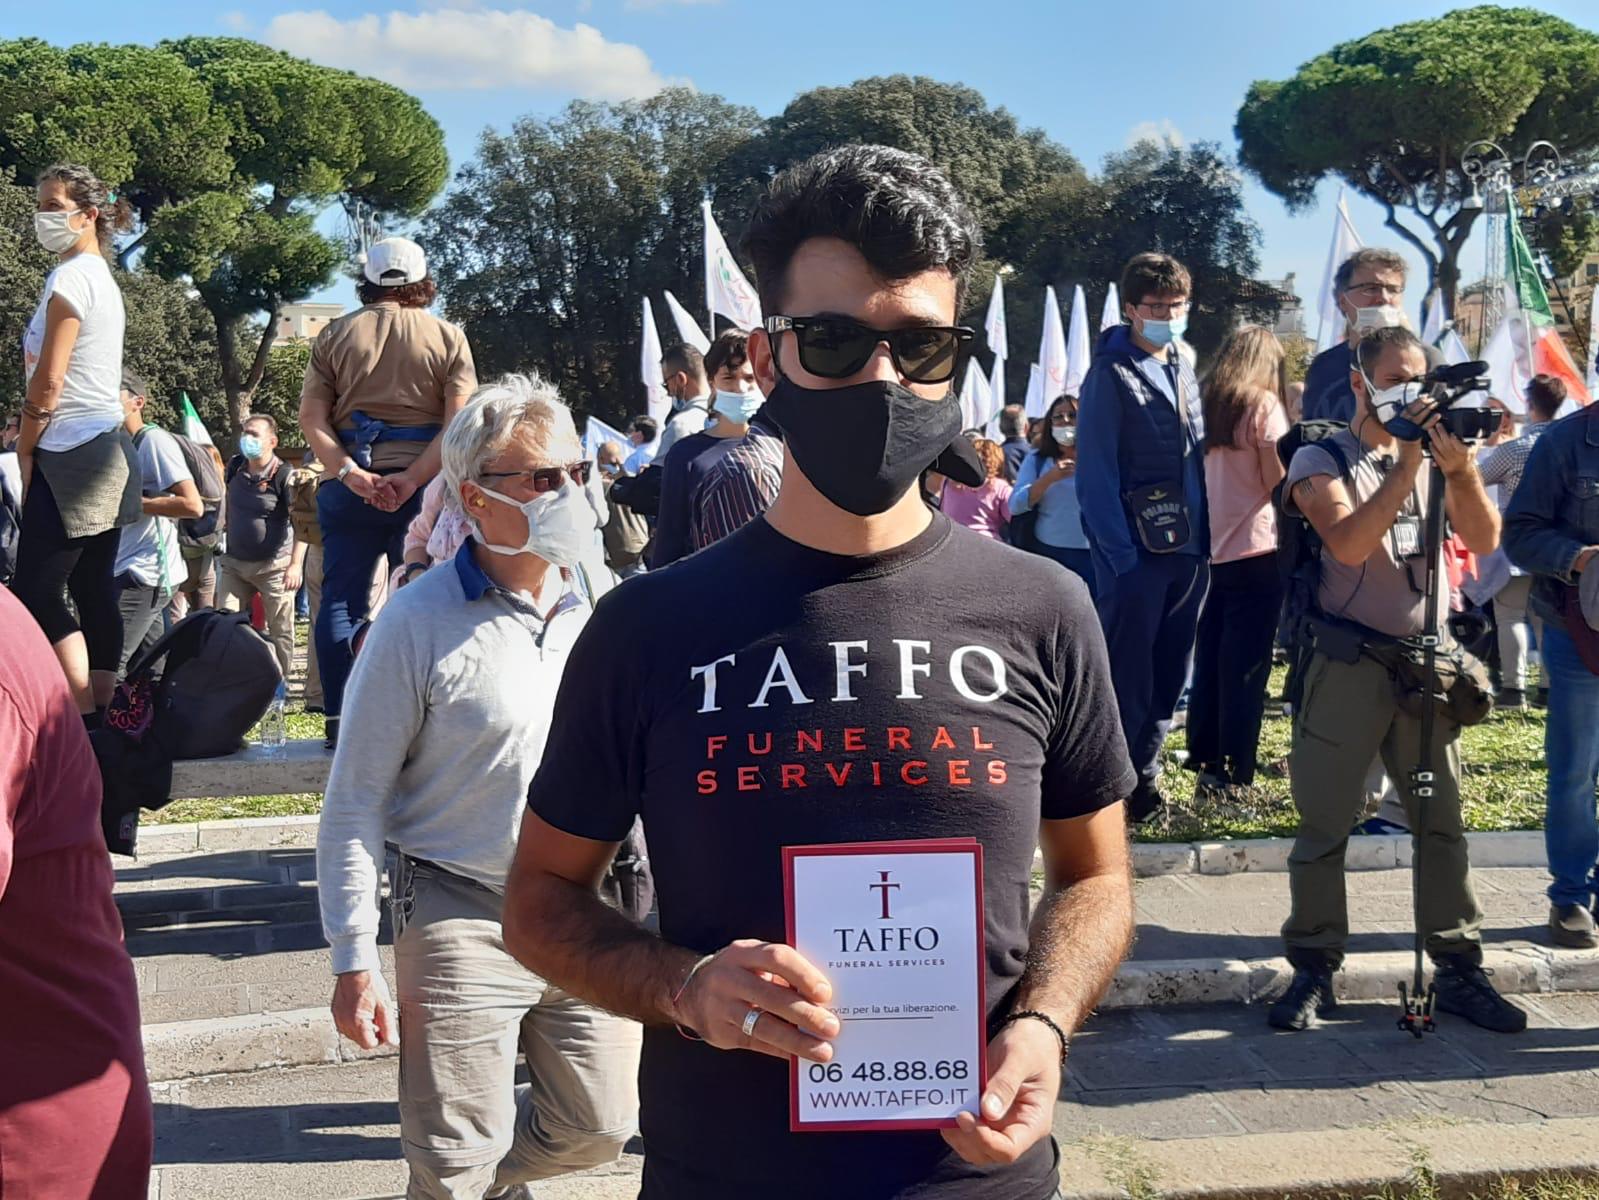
column 913, row 846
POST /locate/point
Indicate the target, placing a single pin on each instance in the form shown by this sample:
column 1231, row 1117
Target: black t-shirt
column 950, row 687
column 686, row 465
column 258, row 511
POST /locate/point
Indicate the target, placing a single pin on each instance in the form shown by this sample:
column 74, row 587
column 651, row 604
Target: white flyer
column 897, row 929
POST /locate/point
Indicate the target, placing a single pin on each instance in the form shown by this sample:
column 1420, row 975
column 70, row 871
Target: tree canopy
column 1392, row 113
column 228, row 151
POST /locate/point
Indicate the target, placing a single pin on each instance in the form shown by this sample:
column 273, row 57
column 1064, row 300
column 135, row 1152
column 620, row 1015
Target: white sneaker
column 1572, row 926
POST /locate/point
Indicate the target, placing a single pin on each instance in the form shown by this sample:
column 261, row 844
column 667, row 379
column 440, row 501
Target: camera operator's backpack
column 205, row 531
column 1298, row 544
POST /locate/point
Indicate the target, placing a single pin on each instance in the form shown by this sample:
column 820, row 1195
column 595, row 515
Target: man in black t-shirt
column 864, row 679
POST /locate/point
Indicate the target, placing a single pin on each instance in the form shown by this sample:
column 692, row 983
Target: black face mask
column 862, row 446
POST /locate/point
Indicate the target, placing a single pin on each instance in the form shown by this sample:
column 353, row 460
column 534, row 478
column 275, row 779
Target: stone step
column 1181, row 1103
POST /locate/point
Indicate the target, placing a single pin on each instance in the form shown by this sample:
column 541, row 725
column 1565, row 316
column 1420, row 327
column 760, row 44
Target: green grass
column 1503, row 787
column 1543, row 1187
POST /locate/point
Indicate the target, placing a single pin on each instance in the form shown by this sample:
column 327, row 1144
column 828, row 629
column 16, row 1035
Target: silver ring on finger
column 750, row 1018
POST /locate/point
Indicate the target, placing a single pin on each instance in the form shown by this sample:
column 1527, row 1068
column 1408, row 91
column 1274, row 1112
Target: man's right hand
column 363, row 483
column 362, row 1010
column 774, row 978
column 1584, row 559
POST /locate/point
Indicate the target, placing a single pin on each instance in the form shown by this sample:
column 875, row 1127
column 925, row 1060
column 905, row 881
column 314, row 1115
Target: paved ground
column 320, row 1133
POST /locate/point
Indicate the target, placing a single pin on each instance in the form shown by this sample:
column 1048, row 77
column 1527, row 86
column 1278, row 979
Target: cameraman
column 1365, row 494
column 1552, row 530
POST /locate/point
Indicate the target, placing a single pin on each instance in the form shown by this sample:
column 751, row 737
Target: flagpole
column 705, row 247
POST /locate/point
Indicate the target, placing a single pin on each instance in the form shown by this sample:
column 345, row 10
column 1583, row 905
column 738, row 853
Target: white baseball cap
column 394, row 262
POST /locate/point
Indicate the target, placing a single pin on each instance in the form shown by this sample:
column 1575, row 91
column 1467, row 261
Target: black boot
column 1464, row 990
column 1144, row 802
column 1309, row 996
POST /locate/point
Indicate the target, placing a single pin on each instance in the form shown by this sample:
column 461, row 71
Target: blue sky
column 1082, row 72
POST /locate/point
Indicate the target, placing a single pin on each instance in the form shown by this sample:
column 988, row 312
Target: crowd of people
column 603, row 692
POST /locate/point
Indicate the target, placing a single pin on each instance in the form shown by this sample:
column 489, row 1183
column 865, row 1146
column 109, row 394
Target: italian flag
column 192, row 428
column 1527, row 342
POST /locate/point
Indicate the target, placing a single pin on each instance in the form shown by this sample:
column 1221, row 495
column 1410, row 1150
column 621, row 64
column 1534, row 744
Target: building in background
column 304, row 321
column 1290, row 321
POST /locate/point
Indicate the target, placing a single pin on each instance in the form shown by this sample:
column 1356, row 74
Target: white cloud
column 1162, row 132
column 235, row 21
column 638, row 5
column 457, row 48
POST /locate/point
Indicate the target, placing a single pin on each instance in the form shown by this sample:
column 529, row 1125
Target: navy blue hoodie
column 1129, row 435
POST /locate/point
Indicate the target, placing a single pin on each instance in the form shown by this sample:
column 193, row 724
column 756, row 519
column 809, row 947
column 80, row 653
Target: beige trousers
column 237, row 584
column 466, row 1009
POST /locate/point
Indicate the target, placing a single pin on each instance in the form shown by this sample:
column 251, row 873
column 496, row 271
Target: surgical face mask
column 250, row 446
column 1164, row 333
column 1378, row 316
column 1064, row 435
column 1390, row 403
column 560, row 525
column 863, row 446
column 54, row 230
column 737, row 407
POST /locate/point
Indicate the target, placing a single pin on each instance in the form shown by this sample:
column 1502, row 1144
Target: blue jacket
column 1129, row 436
column 1554, row 514
column 1328, row 393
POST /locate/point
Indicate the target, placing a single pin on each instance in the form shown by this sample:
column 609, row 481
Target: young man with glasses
column 852, row 684
column 1370, row 289
column 1141, row 487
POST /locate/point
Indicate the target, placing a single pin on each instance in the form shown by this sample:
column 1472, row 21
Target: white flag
column 1112, row 312
column 1454, row 350
column 1345, row 241
column 1509, row 356
column 1079, row 350
column 996, row 399
column 656, row 402
column 1051, row 355
column 998, row 337
column 726, row 290
column 1036, row 406
column 974, row 397
column 1593, row 351
column 596, row 433
column 1432, row 318
column 688, row 329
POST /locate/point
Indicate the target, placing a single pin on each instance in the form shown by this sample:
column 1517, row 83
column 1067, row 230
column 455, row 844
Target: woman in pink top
column 434, row 534
column 1244, row 419
column 987, row 508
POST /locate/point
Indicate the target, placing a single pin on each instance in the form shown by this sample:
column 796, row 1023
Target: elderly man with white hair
column 448, row 709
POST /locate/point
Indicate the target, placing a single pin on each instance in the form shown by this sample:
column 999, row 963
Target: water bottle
column 274, row 731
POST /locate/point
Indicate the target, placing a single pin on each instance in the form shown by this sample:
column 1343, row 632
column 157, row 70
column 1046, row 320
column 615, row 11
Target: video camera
column 1445, row 386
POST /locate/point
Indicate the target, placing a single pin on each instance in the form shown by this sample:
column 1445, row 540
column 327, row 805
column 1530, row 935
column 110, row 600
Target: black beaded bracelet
column 1028, row 1014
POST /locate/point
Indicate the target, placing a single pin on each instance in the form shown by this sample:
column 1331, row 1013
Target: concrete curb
column 306, row 1037
column 299, row 1037
column 1354, row 1162
column 1523, row 848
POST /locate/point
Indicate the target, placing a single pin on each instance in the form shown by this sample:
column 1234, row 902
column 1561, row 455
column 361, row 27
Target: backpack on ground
column 1298, row 544
column 195, row 693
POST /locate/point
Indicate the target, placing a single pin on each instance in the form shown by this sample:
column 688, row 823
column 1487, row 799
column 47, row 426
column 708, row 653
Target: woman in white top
column 80, row 473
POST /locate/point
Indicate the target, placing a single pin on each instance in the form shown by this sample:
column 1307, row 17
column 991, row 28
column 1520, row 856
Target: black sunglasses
column 546, row 479
column 836, row 347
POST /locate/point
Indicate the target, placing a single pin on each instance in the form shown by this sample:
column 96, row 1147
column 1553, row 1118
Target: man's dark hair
column 133, row 383
column 1545, row 395
column 407, row 295
column 646, row 425
column 896, row 208
column 267, row 419
column 680, row 356
column 1376, row 343
column 1152, row 274
column 727, row 351
column 1012, row 420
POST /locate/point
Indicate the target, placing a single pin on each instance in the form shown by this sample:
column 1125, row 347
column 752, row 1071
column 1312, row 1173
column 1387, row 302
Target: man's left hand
column 1018, row 1106
column 1451, row 454
column 293, row 577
